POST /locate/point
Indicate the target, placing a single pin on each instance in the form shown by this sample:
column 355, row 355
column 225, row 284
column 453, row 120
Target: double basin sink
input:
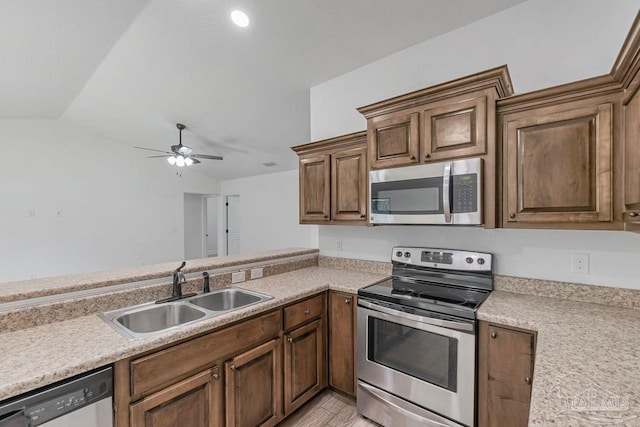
column 143, row 320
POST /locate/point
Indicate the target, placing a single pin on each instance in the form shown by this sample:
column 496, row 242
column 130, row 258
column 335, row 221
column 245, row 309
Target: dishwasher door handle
column 14, row 419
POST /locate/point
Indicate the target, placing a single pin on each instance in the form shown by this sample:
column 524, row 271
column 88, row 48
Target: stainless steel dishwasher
column 82, row 401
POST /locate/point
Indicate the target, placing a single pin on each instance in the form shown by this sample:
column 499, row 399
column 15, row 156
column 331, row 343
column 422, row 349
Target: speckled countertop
column 41, row 355
column 587, row 362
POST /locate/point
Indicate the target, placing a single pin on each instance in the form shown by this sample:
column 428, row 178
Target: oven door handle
column 446, row 192
column 449, row 324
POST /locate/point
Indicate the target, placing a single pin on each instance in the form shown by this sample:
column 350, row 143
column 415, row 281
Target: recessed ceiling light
column 240, row 18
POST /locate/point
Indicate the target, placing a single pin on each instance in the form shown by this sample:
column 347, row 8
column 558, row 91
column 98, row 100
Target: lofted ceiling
column 131, row 69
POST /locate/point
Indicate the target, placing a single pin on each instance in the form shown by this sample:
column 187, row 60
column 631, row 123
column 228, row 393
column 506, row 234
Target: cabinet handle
column 512, row 215
column 633, row 214
column 347, row 301
column 233, row 367
column 412, row 157
column 363, row 216
column 527, row 380
column 427, row 156
column 494, row 335
column 290, row 340
column 326, row 217
column 216, row 376
column 307, row 312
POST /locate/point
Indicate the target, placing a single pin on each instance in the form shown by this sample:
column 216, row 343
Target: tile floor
column 328, row 409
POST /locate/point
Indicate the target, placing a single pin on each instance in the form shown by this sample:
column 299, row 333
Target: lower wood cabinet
column 304, row 365
column 342, row 344
column 252, row 387
column 505, row 374
column 193, row 402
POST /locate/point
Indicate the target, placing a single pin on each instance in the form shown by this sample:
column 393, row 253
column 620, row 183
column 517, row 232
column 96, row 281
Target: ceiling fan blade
column 195, row 161
column 151, row 149
column 155, row 157
column 206, row 156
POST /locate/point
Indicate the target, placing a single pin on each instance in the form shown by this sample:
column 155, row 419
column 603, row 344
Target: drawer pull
column 412, row 157
column 347, row 301
column 307, row 311
column 527, row 380
column 512, row 215
column 290, row 340
column 233, row 367
column 633, row 214
column 493, row 335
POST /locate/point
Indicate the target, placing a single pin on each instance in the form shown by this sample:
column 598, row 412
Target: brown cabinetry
column 333, row 180
column 631, row 158
column 305, row 351
column 253, row 387
column 452, row 120
column 505, row 374
column 557, row 165
column 342, row 344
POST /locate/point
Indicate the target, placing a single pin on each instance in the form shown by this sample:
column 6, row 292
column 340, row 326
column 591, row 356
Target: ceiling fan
column 181, row 155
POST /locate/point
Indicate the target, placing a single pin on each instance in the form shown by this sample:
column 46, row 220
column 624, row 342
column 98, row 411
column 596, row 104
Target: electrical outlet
column 256, row 273
column 339, row 244
column 580, row 263
column 238, row 277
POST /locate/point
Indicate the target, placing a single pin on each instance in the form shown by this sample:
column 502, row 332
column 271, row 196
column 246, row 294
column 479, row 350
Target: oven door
column 436, row 193
column 427, row 361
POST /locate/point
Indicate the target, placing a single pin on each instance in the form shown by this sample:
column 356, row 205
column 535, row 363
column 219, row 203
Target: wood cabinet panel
column 304, row 365
column 631, row 153
column 393, row 140
column 157, row 370
column 342, row 344
column 349, row 185
column 315, row 188
column 302, row 312
column 190, row 402
column 253, row 387
column 558, row 163
column 505, row 375
column 456, row 129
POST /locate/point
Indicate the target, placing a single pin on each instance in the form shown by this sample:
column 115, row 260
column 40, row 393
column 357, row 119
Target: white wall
column 544, row 43
column 212, row 225
column 269, row 212
column 118, row 208
column 193, row 221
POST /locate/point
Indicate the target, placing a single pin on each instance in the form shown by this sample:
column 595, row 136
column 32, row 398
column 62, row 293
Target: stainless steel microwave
column 446, row 193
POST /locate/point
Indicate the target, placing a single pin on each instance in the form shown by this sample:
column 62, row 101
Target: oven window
column 408, row 197
column 430, row 357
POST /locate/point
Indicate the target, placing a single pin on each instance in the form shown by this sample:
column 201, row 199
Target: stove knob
column 399, row 254
column 480, row 261
column 407, row 254
column 469, row 260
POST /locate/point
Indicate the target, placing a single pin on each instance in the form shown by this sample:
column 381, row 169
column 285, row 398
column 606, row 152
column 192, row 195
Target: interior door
column 211, row 236
column 233, row 225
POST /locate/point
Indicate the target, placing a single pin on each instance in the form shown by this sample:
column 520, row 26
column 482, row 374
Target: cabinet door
column 349, row 185
column 342, row 349
column 304, row 365
column 253, row 388
column 558, row 165
column 632, row 156
column 393, row 140
column 505, row 375
column 314, row 188
column 191, row 402
column 457, row 128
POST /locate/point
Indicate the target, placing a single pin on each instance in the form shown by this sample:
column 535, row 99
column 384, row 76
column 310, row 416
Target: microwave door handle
column 446, row 201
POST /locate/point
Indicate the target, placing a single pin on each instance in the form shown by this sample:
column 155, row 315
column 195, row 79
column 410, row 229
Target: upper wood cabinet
column 333, row 180
column 452, row 120
column 505, row 374
column 631, row 157
column 558, row 163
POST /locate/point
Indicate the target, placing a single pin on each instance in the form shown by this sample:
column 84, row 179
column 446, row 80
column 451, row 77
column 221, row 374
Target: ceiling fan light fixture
column 240, row 18
column 171, row 160
column 180, row 161
column 188, row 161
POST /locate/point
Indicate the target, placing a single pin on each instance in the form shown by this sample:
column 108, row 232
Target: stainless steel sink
column 226, row 299
column 159, row 318
column 144, row 320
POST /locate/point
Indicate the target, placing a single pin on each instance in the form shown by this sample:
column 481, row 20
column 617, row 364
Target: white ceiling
column 131, row 69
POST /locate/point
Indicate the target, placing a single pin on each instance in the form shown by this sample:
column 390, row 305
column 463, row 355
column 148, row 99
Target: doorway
column 233, row 225
column 200, row 225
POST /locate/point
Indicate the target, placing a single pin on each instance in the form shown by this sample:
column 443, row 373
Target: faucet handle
column 206, row 282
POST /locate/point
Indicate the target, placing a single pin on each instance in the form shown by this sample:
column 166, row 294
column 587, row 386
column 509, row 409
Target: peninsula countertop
column 42, row 355
column 587, row 360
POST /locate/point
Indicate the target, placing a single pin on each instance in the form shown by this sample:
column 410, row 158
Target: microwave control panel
column 465, row 193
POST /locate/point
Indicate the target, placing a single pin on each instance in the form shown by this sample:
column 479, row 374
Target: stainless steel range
column 417, row 338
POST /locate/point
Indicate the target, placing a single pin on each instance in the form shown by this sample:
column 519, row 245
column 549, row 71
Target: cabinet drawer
column 165, row 367
column 303, row 311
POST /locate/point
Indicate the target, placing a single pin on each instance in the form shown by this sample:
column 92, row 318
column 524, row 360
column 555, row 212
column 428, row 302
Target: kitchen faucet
column 176, row 289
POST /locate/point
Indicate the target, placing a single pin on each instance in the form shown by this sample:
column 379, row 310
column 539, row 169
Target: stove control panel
column 448, row 259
